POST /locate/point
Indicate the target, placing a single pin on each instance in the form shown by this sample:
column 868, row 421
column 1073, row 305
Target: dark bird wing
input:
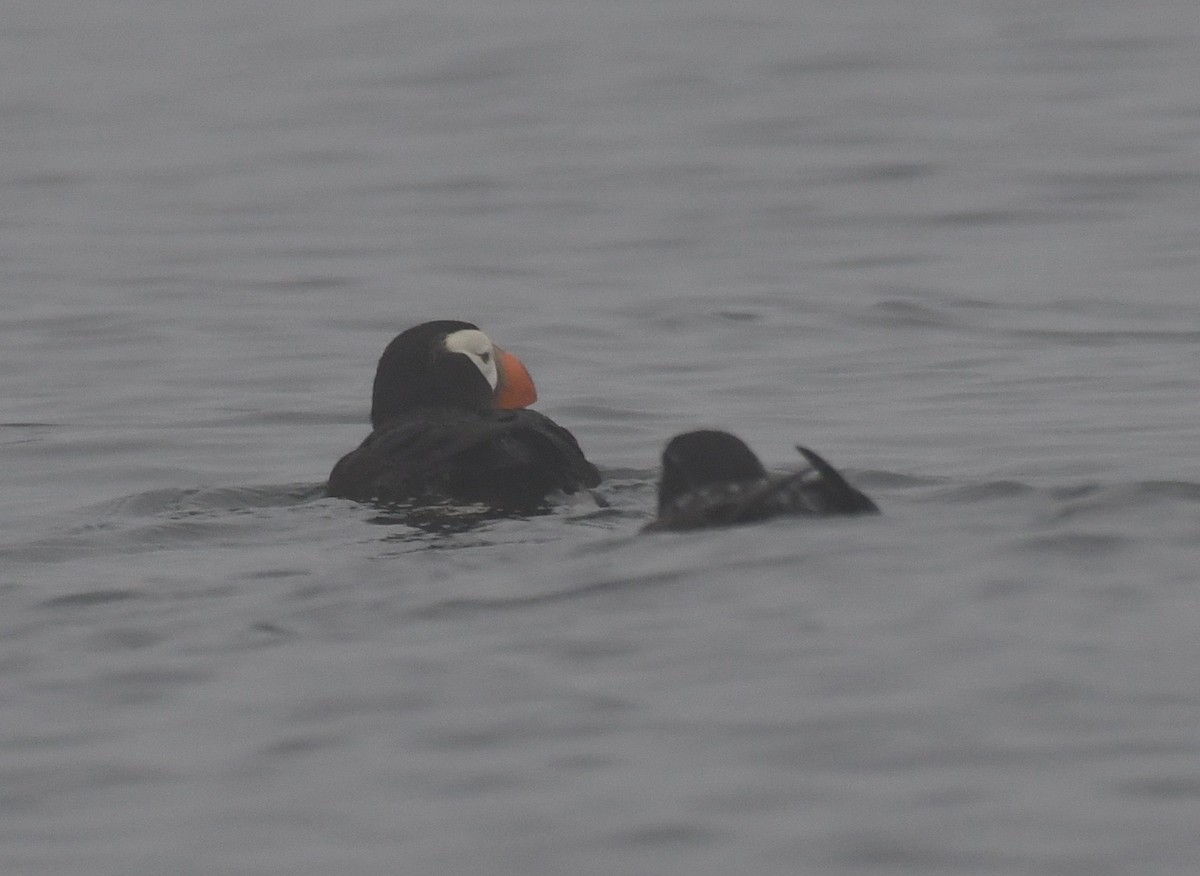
column 510, row 459
column 819, row 491
column 831, row 493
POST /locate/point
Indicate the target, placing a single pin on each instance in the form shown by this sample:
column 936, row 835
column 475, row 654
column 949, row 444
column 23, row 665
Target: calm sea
column 952, row 246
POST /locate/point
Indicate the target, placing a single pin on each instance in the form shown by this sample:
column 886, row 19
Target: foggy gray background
column 952, row 246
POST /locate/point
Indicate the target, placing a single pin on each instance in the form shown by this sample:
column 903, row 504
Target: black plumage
column 711, row 478
column 438, row 435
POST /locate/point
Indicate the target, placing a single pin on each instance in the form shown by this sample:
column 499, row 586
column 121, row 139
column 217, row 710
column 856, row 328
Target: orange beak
column 514, row 389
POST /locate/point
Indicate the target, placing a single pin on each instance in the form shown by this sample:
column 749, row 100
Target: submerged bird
column 450, row 423
column 712, row 478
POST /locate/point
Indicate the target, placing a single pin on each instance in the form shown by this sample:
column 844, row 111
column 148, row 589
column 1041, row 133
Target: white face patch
column 476, row 346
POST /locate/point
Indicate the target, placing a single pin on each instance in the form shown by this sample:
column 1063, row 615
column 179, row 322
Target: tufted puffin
column 712, row 478
column 450, row 423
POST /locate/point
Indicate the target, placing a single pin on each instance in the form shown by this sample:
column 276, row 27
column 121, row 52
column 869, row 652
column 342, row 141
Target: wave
column 165, row 518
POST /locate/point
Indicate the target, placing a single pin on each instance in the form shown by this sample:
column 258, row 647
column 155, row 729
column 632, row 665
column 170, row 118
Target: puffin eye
column 486, row 356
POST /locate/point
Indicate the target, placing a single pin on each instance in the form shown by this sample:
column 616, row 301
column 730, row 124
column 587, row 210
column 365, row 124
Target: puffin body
column 711, row 478
column 450, row 424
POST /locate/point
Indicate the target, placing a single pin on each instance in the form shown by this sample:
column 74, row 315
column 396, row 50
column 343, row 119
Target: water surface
column 951, row 247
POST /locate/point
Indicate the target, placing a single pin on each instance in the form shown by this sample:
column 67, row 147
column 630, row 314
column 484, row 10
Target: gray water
column 952, row 246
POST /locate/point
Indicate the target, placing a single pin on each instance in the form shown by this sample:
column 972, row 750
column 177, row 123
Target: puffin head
column 699, row 459
column 447, row 363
